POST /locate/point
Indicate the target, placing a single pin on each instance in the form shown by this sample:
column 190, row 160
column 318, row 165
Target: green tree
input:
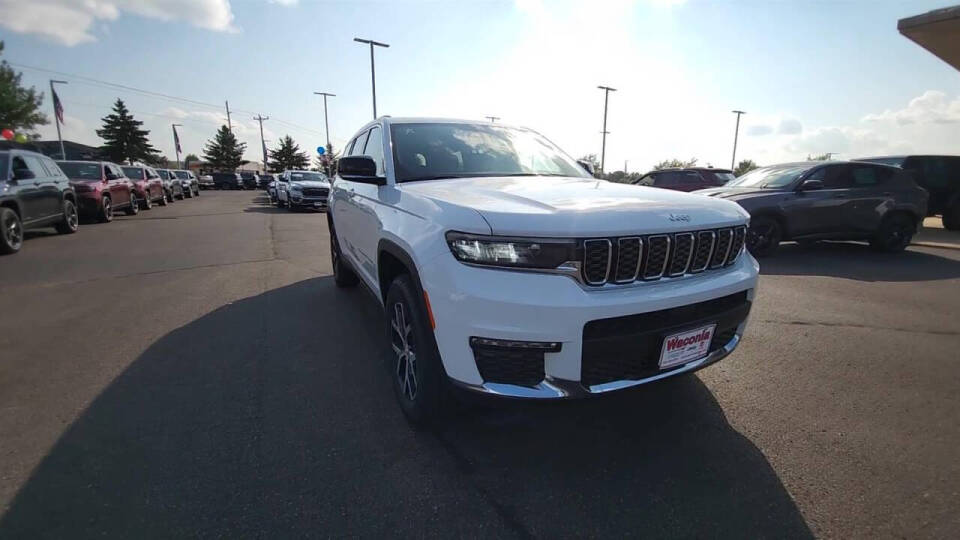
column 124, row 140
column 744, row 167
column 675, row 164
column 19, row 106
column 820, row 157
column 188, row 159
column 287, row 156
column 223, row 152
column 328, row 161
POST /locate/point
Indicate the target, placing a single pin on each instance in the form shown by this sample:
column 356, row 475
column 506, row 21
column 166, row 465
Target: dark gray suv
column 827, row 200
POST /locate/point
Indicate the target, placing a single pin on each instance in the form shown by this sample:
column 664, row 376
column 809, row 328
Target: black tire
column 163, row 199
column 343, row 275
column 894, row 234
column 71, row 220
column 951, row 217
column 181, row 196
column 415, row 368
column 105, row 214
column 147, row 202
column 764, row 236
column 188, row 193
column 134, row 207
column 11, row 235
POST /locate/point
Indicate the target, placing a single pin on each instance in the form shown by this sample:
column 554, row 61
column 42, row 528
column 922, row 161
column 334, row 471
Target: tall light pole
column 492, row 119
column 57, row 113
column 260, row 118
column 373, row 73
column 326, row 125
column 736, row 133
column 606, row 99
column 176, row 142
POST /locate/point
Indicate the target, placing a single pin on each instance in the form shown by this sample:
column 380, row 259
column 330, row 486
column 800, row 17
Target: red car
column 101, row 189
column 690, row 179
column 147, row 184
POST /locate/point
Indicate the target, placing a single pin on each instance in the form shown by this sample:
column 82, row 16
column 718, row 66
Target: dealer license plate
column 686, row 346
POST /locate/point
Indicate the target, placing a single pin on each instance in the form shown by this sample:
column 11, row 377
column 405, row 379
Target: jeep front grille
column 632, row 258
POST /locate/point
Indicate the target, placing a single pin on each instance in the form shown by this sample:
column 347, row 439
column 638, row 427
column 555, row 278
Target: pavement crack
column 864, row 326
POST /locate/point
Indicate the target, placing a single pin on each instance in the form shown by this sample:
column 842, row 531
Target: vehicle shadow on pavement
column 852, row 260
column 273, row 416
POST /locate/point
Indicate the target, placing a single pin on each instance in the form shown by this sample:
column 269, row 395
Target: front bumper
column 519, row 306
column 301, row 201
column 88, row 204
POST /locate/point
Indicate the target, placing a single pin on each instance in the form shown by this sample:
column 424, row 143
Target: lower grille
column 507, row 365
column 628, row 348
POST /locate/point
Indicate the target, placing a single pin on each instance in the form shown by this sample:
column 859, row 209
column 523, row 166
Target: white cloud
column 284, row 2
column 756, row 130
column 932, row 107
column 70, row 22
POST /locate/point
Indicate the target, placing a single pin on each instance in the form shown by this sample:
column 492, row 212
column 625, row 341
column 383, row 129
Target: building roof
column 937, row 31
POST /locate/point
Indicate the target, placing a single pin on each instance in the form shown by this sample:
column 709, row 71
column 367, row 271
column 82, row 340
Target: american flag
column 176, row 139
column 57, row 106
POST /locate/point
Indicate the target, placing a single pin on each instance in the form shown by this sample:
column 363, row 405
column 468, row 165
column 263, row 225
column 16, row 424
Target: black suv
column 34, row 192
column 827, row 200
column 227, row 180
column 939, row 175
column 250, row 180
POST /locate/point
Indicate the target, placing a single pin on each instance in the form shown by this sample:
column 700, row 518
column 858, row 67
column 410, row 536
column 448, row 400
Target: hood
column 309, row 183
column 561, row 206
column 735, row 193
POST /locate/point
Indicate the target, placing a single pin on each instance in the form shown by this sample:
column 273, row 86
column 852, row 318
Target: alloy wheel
column 73, row 219
column 403, row 348
column 13, row 231
column 107, row 209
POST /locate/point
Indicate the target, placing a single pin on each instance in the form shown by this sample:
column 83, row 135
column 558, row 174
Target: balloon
column 20, row 138
column 7, row 134
column 320, row 150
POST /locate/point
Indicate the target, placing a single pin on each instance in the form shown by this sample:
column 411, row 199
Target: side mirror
column 811, row 185
column 360, row 169
column 23, row 174
column 587, row 166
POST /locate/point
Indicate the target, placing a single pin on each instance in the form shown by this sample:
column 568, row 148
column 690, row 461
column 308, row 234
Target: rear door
column 871, row 194
column 48, row 193
column 59, row 179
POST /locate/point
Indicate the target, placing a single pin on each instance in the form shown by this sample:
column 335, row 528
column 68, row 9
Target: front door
column 367, row 204
column 820, row 211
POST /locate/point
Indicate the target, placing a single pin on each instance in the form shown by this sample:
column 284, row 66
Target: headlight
column 542, row 253
column 295, row 187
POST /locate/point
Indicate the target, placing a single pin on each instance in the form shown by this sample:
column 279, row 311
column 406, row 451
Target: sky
column 813, row 77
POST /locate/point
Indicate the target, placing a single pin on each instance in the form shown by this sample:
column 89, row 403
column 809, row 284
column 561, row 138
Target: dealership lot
column 193, row 371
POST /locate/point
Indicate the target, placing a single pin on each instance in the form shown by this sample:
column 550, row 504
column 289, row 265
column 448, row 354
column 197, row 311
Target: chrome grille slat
column 682, row 253
column 623, row 260
column 704, row 251
column 629, row 257
column 658, row 256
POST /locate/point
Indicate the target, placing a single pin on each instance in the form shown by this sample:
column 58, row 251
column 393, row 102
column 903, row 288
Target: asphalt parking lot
column 193, row 371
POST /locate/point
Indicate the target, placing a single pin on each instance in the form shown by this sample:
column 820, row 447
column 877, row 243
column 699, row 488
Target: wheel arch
column 12, row 204
column 776, row 215
column 392, row 261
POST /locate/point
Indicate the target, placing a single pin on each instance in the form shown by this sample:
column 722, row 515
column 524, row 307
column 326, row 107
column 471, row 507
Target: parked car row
column 36, row 191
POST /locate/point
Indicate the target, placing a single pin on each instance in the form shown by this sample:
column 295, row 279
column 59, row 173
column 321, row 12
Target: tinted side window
column 34, row 165
column 374, row 148
column 665, row 179
column 866, row 176
column 646, row 180
column 690, row 178
column 359, row 144
column 835, row 177
column 935, row 172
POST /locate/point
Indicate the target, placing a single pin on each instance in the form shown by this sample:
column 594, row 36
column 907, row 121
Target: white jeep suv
column 504, row 268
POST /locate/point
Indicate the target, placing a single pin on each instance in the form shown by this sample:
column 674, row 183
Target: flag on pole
column 176, row 139
column 57, row 106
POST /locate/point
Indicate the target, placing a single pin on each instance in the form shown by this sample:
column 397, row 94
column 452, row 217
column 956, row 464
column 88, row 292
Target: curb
column 939, row 245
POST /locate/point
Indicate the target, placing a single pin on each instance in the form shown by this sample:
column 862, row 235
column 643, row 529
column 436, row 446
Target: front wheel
column 764, row 236
column 106, row 210
column 11, row 231
column 163, row 199
column 71, row 220
column 147, row 202
column 419, row 380
column 894, row 234
column 134, row 207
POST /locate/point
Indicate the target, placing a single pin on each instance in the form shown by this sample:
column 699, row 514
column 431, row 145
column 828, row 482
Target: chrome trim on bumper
column 551, row 388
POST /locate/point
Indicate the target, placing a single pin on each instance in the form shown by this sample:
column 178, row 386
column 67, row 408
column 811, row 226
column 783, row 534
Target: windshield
column 769, row 177
column 182, row 174
column 81, row 171
column 135, row 173
column 164, row 174
column 441, row 150
column 307, row 177
column 724, row 177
